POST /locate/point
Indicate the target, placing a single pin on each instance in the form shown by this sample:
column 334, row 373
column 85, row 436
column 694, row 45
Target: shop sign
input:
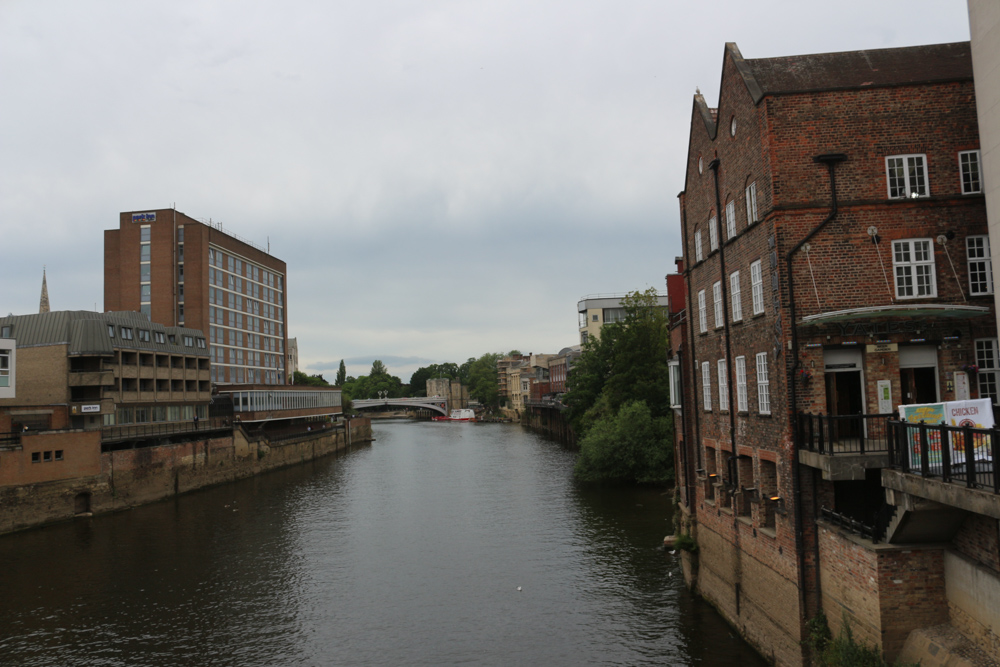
column 144, row 217
column 881, row 347
column 90, row 408
column 878, row 328
column 976, row 413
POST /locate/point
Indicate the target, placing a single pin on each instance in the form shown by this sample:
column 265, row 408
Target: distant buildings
column 596, row 310
column 837, row 264
column 181, row 272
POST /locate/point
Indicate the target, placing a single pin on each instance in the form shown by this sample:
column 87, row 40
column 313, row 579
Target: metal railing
column 843, row 434
column 875, row 531
column 162, row 429
column 10, row 439
column 952, row 453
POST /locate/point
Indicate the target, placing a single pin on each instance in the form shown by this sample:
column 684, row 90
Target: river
column 439, row 544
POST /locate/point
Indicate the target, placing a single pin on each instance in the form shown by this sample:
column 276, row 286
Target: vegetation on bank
column 619, row 398
column 842, row 650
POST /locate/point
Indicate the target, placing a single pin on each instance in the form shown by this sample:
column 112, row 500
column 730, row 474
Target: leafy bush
column 630, row 446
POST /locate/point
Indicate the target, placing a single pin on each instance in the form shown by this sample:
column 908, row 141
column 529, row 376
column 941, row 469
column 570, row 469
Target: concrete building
column 85, row 370
column 836, row 265
column 181, row 272
column 596, row 310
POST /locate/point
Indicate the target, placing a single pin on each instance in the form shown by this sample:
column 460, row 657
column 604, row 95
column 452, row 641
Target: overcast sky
column 442, row 178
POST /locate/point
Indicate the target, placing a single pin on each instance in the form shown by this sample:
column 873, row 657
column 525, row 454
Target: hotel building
column 180, row 272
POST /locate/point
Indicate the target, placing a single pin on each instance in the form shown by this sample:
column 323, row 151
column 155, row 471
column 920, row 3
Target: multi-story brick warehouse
column 837, row 263
column 181, row 272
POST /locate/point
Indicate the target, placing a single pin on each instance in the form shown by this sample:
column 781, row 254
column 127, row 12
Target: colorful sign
column 976, row 413
column 144, row 217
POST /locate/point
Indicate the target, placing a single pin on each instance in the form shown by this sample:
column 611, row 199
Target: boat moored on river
column 461, row 415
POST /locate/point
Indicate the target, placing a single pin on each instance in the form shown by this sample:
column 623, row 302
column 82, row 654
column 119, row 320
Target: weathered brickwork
column 754, row 158
column 127, row 478
column 883, row 592
column 978, row 538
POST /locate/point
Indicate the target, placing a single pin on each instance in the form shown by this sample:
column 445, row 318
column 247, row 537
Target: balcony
column 843, row 447
column 90, row 378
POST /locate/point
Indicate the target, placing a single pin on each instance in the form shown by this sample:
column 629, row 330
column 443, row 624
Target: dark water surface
column 407, row 552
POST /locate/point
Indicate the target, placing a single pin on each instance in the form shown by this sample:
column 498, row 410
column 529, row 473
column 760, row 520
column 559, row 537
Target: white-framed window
column 706, row 385
column 741, row 384
column 674, row 370
column 4, row 367
column 734, row 292
column 752, row 203
column 702, row 315
column 717, row 302
column 730, row 219
column 977, row 252
column 723, row 386
column 913, row 268
column 989, row 368
column 713, row 234
column 757, row 288
column 698, row 256
column 763, row 386
column 968, row 164
column 906, row 176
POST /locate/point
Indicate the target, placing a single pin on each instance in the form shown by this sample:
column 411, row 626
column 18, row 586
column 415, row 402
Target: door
column 918, row 375
column 844, row 392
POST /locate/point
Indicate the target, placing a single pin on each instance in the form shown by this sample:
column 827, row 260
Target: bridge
column 436, row 403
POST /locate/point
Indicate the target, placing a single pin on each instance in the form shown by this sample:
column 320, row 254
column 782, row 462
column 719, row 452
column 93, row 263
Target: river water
column 440, row 544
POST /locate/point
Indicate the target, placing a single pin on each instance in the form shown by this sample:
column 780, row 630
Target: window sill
column 766, row 415
column 760, row 314
column 745, row 520
column 769, row 531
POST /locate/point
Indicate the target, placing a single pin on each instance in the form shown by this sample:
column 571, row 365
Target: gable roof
column 873, row 68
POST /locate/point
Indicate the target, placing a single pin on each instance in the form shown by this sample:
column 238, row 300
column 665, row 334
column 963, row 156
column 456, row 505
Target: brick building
column 85, row 370
column 837, row 263
column 181, row 272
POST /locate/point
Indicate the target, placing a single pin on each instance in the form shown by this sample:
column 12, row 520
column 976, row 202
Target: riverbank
column 129, row 478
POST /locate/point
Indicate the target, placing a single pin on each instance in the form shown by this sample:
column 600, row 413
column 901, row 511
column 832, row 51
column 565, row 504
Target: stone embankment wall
column 132, row 477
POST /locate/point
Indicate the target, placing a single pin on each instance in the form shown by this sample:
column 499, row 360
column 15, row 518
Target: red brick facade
column 774, row 118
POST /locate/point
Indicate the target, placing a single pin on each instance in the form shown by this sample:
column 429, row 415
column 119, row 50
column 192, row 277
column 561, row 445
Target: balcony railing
column 11, row 439
column 951, row 453
column 162, row 429
column 874, row 531
column 843, row 434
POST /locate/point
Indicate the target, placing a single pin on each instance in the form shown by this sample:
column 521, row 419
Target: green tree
column 483, row 381
column 341, row 374
column 378, row 368
column 298, row 377
column 625, row 366
column 627, row 447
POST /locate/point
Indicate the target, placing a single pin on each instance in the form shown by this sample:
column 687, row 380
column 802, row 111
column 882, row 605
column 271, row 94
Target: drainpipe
column 734, row 471
column 830, row 160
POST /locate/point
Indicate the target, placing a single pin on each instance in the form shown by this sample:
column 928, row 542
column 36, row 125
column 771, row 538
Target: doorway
column 845, row 395
column 918, row 374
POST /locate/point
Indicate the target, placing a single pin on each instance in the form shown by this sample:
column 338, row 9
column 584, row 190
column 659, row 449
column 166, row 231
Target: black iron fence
column 874, row 530
column 11, row 439
column 952, row 453
column 843, row 434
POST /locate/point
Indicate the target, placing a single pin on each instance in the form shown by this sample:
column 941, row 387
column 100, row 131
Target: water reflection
column 410, row 551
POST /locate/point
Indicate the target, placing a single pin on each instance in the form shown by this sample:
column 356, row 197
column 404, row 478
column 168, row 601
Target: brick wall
column 884, row 591
column 978, row 538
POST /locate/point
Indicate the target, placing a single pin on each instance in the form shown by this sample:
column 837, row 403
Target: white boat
column 461, row 415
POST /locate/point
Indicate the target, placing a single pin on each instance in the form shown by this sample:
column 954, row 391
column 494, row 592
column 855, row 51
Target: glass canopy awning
column 928, row 310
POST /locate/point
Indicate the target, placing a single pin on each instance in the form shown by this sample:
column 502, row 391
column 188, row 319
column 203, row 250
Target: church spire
column 43, row 305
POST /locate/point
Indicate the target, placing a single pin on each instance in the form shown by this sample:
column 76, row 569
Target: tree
column 627, row 447
column 341, row 375
column 625, row 366
column 378, row 368
column 483, row 385
column 298, row 377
